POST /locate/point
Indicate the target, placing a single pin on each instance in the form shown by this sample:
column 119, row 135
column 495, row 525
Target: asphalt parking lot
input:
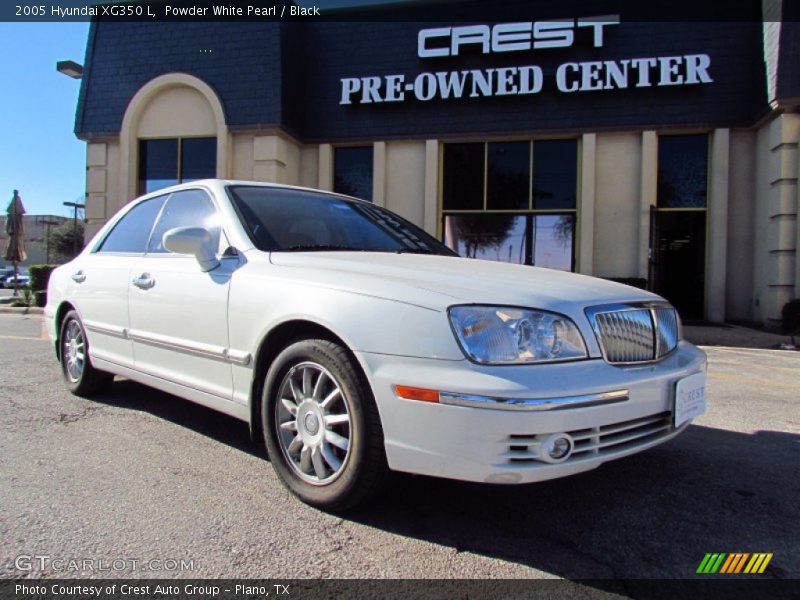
column 139, row 474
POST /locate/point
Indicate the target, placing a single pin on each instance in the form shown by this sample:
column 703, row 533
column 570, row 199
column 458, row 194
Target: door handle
column 144, row 281
column 79, row 277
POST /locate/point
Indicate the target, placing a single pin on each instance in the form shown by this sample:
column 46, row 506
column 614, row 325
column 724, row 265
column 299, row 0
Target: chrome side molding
column 533, row 404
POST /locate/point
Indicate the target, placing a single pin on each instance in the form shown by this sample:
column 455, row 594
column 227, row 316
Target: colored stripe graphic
column 733, row 563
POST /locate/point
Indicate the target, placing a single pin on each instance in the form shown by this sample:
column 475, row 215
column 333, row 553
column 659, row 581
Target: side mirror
column 196, row 241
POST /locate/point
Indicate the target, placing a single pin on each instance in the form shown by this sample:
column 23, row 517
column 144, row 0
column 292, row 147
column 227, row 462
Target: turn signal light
column 413, row 393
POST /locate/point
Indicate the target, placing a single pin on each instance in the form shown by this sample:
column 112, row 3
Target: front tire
column 323, row 432
column 81, row 378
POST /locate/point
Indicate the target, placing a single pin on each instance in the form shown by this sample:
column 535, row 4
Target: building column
column 431, row 214
column 647, row 196
column 325, row 167
column 97, row 210
column 586, row 210
column 717, row 226
column 784, row 198
column 269, row 159
column 379, row 173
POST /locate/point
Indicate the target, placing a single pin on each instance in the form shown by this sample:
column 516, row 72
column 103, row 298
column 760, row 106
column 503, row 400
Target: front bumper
column 498, row 445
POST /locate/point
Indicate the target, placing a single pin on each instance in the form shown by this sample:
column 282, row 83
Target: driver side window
column 188, row 208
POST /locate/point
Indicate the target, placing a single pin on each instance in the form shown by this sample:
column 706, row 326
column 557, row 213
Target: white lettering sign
column 689, row 69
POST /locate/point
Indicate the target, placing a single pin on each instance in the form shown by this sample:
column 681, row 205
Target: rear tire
column 322, row 428
column 81, row 378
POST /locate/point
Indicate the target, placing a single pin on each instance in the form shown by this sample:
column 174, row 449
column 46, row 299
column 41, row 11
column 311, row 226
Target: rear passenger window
column 189, row 208
column 131, row 233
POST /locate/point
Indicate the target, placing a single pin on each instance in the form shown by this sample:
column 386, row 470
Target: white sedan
column 355, row 344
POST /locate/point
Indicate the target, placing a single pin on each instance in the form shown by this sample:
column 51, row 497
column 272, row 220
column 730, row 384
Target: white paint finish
column 193, row 333
column 185, row 307
column 102, row 300
column 719, row 175
column 587, row 203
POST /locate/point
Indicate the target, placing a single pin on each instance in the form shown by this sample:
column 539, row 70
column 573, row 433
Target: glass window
column 131, row 232
column 189, row 208
column 526, row 239
column 352, row 172
column 279, row 219
column 555, row 174
column 169, row 161
column 462, row 185
column 508, row 172
column 682, row 171
column 519, row 216
column 198, row 158
column 158, row 164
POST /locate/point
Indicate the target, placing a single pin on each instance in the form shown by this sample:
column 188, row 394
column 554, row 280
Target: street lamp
column 70, row 68
column 76, row 206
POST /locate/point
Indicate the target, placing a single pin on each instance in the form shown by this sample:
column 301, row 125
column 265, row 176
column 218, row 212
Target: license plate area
column 690, row 398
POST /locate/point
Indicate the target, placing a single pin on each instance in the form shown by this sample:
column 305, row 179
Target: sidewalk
column 733, row 336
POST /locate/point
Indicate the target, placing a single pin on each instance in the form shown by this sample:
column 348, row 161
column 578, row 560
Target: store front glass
column 352, row 171
column 512, row 201
column 165, row 162
column 678, row 223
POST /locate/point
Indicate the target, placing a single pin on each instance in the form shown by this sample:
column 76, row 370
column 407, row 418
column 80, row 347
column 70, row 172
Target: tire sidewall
column 69, row 317
column 333, row 495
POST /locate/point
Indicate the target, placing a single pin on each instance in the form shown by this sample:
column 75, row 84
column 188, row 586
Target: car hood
column 440, row 281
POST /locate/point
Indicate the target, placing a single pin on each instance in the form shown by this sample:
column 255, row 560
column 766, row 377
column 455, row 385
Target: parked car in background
column 22, row 280
column 354, row 343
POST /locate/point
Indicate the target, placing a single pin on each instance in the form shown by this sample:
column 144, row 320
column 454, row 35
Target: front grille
column 635, row 333
column 596, row 441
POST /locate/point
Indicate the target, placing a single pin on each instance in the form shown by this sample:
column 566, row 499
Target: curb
column 21, row 310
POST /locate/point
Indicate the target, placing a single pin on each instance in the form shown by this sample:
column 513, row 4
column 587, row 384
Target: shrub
column 40, row 275
column 791, row 318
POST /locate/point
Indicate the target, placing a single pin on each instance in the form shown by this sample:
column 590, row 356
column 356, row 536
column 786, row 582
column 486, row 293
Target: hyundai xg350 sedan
column 355, row 344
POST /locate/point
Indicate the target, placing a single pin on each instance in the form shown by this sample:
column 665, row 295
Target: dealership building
column 562, row 135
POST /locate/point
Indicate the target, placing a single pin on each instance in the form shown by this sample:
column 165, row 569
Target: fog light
column 557, row 447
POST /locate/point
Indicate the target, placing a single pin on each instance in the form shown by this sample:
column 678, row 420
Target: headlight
column 503, row 335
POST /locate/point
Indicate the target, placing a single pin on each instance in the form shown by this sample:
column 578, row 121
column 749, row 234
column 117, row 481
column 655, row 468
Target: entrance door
column 677, row 259
column 678, row 223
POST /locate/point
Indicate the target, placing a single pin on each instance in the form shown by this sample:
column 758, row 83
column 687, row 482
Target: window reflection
column 161, row 164
column 508, row 171
column 540, row 240
column 352, row 172
column 682, row 171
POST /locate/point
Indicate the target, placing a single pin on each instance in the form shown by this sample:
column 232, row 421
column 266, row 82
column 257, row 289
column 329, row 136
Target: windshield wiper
column 314, row 247
column 415, row 251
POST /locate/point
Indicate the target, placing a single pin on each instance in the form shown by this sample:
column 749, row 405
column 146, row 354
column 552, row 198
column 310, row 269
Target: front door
column 178, row 313
column 678, row 250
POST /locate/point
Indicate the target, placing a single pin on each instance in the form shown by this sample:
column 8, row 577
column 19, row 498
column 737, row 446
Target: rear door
column 101, row 279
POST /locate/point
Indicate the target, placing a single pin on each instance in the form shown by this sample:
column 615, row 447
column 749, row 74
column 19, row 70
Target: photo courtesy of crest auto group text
column 407, row 299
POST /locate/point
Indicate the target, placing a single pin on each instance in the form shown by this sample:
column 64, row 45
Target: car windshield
column 296, row 220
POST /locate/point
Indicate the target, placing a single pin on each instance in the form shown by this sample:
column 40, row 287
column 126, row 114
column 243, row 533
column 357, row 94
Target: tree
column 63, row 240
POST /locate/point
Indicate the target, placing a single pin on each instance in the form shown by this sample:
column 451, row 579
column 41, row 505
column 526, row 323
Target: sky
column 39, row 153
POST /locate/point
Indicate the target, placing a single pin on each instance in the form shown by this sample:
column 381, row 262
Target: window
column 169, row 161
column 190, row 208
column 286, row 220
column 352, row 171
column 682, row 171
column 131, row 232
column 512, row 201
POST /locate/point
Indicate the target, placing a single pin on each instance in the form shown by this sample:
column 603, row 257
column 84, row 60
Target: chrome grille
column 635, row 333
column 605, row 440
